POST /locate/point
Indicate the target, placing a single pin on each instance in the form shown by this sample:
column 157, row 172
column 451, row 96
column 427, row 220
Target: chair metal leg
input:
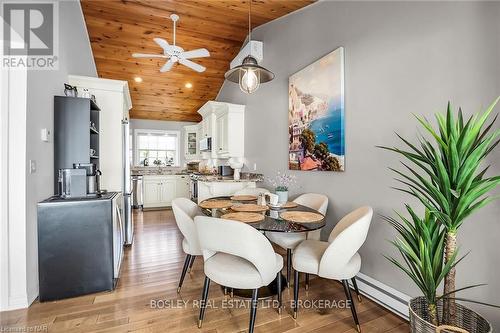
column 307, row 281
column 348, row 294
column 253, row 309
column 295, row 294
column 288, row 266
column 203, row 303
column 278, row 280
column 356, row 288
column 191, row 263
column 184, row 270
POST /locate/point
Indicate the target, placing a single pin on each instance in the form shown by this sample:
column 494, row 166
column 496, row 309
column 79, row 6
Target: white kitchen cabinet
column 152, row 192
column 222, row 143
column 159, row 191
column 167, row 191
column 191, row 142
column 225, row 124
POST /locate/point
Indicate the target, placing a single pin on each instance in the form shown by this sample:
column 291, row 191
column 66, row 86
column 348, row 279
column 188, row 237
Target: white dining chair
column 289, row 241
column 184, row 212
column 252, row 191
column 336, row 259
column 237, row 256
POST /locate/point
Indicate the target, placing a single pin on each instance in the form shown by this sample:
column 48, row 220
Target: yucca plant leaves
column 444, row 173
column 473, row 301
column 463, row 288
column 420, row 244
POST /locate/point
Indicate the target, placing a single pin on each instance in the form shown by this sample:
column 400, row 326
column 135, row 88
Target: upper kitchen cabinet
column 113, row 97
column 225, row 124
column 207, row 126
column 191, row 137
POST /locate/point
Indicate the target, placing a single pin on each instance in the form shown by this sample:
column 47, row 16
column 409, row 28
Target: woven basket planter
column 466, row 319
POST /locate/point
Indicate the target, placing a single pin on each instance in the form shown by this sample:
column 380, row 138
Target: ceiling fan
column 176, row 53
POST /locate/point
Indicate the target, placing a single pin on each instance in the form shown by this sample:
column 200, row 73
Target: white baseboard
column 32, row 294
column 17, row 302
column 21, row 301
column 388, row 297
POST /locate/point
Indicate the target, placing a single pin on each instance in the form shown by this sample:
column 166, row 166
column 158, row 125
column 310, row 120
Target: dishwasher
column 137, row 192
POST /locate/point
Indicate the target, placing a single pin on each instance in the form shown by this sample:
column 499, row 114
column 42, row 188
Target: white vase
column 282, row 196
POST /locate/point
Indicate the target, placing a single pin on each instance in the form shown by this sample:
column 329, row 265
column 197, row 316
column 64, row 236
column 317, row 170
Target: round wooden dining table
column 271, row 222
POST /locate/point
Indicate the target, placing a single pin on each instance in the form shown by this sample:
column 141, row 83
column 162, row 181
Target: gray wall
column 75, row 57
column 400, row 58
column 161, row 125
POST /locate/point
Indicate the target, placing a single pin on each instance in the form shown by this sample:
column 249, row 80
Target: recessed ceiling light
column 138, row 79
column 188, row 85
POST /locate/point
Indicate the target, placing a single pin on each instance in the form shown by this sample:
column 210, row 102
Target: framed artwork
column 316, row 115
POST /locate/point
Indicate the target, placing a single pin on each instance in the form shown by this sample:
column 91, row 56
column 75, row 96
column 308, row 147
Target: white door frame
column 4, row 203
column 13, row 282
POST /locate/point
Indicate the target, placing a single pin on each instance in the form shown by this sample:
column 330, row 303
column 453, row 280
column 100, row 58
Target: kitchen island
column 215, row 186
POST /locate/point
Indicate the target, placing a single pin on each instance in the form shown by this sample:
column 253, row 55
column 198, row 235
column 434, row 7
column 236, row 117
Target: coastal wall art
column 316, row 115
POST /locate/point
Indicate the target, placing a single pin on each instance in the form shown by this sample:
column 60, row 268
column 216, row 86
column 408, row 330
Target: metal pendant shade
column 249, row 74
column 249, row 67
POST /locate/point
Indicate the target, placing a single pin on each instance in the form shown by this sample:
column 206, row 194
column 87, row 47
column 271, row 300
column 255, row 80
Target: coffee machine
column 93, row 177
column 72, row 183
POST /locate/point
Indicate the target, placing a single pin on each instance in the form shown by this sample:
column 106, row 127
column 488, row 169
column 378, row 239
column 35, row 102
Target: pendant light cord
column 250, row 26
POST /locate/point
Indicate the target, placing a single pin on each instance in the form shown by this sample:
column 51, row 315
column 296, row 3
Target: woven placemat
column 301, row 217
column 243, row 217
column 216, row 203
column 249, row 208
column 244, row 197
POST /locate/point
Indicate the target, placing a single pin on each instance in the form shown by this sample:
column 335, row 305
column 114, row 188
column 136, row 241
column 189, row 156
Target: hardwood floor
column 149, row 276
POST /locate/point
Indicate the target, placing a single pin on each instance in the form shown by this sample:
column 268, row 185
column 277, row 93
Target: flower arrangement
column 282, row 181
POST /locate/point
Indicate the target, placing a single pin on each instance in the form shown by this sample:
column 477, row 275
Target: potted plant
column 445, row 176
column 281, row 183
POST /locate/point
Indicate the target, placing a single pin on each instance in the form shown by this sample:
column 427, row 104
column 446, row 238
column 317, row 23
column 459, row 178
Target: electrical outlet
column 32, row 166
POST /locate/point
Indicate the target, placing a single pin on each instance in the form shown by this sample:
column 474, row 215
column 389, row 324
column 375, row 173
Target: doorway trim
column 13, row 282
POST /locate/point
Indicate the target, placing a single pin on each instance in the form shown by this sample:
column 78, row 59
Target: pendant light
column 249, row 75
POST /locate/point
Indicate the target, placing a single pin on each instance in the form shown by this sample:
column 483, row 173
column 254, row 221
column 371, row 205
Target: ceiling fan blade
column 145, row 55
column 168, row 65
column 163, row 43
column 192, row 65
column 198, row 53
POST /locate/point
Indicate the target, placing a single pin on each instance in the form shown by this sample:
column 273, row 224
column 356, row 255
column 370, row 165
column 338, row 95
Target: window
column 157, row 148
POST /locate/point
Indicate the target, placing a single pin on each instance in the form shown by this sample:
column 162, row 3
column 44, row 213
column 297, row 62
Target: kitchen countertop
column 244, row 177
column 162, row 171
column 155, row 171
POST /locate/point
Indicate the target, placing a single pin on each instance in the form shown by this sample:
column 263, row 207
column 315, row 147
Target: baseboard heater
column 388, row 297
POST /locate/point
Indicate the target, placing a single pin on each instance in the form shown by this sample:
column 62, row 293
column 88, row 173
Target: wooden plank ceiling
column 119, row 28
